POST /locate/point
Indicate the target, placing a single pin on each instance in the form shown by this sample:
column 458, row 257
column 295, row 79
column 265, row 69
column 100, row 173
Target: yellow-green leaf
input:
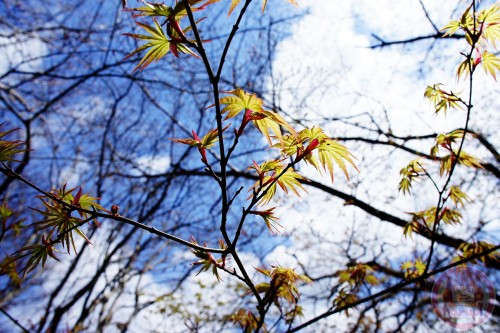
column 9, row 148
column 330, row 151
column 158, row 45
column 458, row 196
column 239, row 101
column 272, row 121
column 289, row 181
column 490, row 63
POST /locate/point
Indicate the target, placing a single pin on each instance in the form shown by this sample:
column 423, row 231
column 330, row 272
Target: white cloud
column 153, row 164
column 23, row 52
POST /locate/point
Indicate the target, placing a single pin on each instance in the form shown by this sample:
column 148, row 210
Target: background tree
column 85, row 113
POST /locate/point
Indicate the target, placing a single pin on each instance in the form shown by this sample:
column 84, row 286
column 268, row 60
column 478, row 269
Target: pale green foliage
column 467, row 250
column 161, row 41
column 9, row 148
column 491, row 63
column 38, row 254
column 329, row 152
column 238, row 101
column 177, row 12
column 425, row 219
column 458, row 197
column 357, row 275
column 446, row 140
column 247, row 321
column 158, row 44
column 269, row 218
column 272, row 173
column 207, row 261
column 464, row 159
column 483, row 28
column 441, row 99
column 413, row 269
column 283, row 284
column 410, row 173
column 481, row 31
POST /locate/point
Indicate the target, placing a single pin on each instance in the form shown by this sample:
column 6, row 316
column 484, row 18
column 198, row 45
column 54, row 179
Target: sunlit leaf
column 272, row 121
column 283, row 284
column 330, row 151
column 489, row 20
column 207, row 261
column 289, row 180
column 289, row 145
column 490, row 63
column 458, row 196
column 441, row 99
column 239, row 101
column 158, row 44
column 413, row 269
column 174, row 13
column 269, row 218
column 410, row 173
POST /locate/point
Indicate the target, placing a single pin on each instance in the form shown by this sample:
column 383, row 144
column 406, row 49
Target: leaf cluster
column 269, row 218
column 282, row 286
column 482, row 31
column 425, row 219
column 162, row 40
column 468, row 250
column 273, row 173
column 410, row 173
column 9, row 148
column 247, row 321
column 413, row 269
column 59, row 224
column 441, row 99
column 358, row 274
column 207, row 261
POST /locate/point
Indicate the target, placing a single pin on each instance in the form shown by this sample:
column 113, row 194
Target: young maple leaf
column 330, row 151
column 272, row 121
column 269, row 218
column 490, row 63
column 239, row 101
column 288, row 180
column 9, row 148
column 159, row 45
column 204, row 143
